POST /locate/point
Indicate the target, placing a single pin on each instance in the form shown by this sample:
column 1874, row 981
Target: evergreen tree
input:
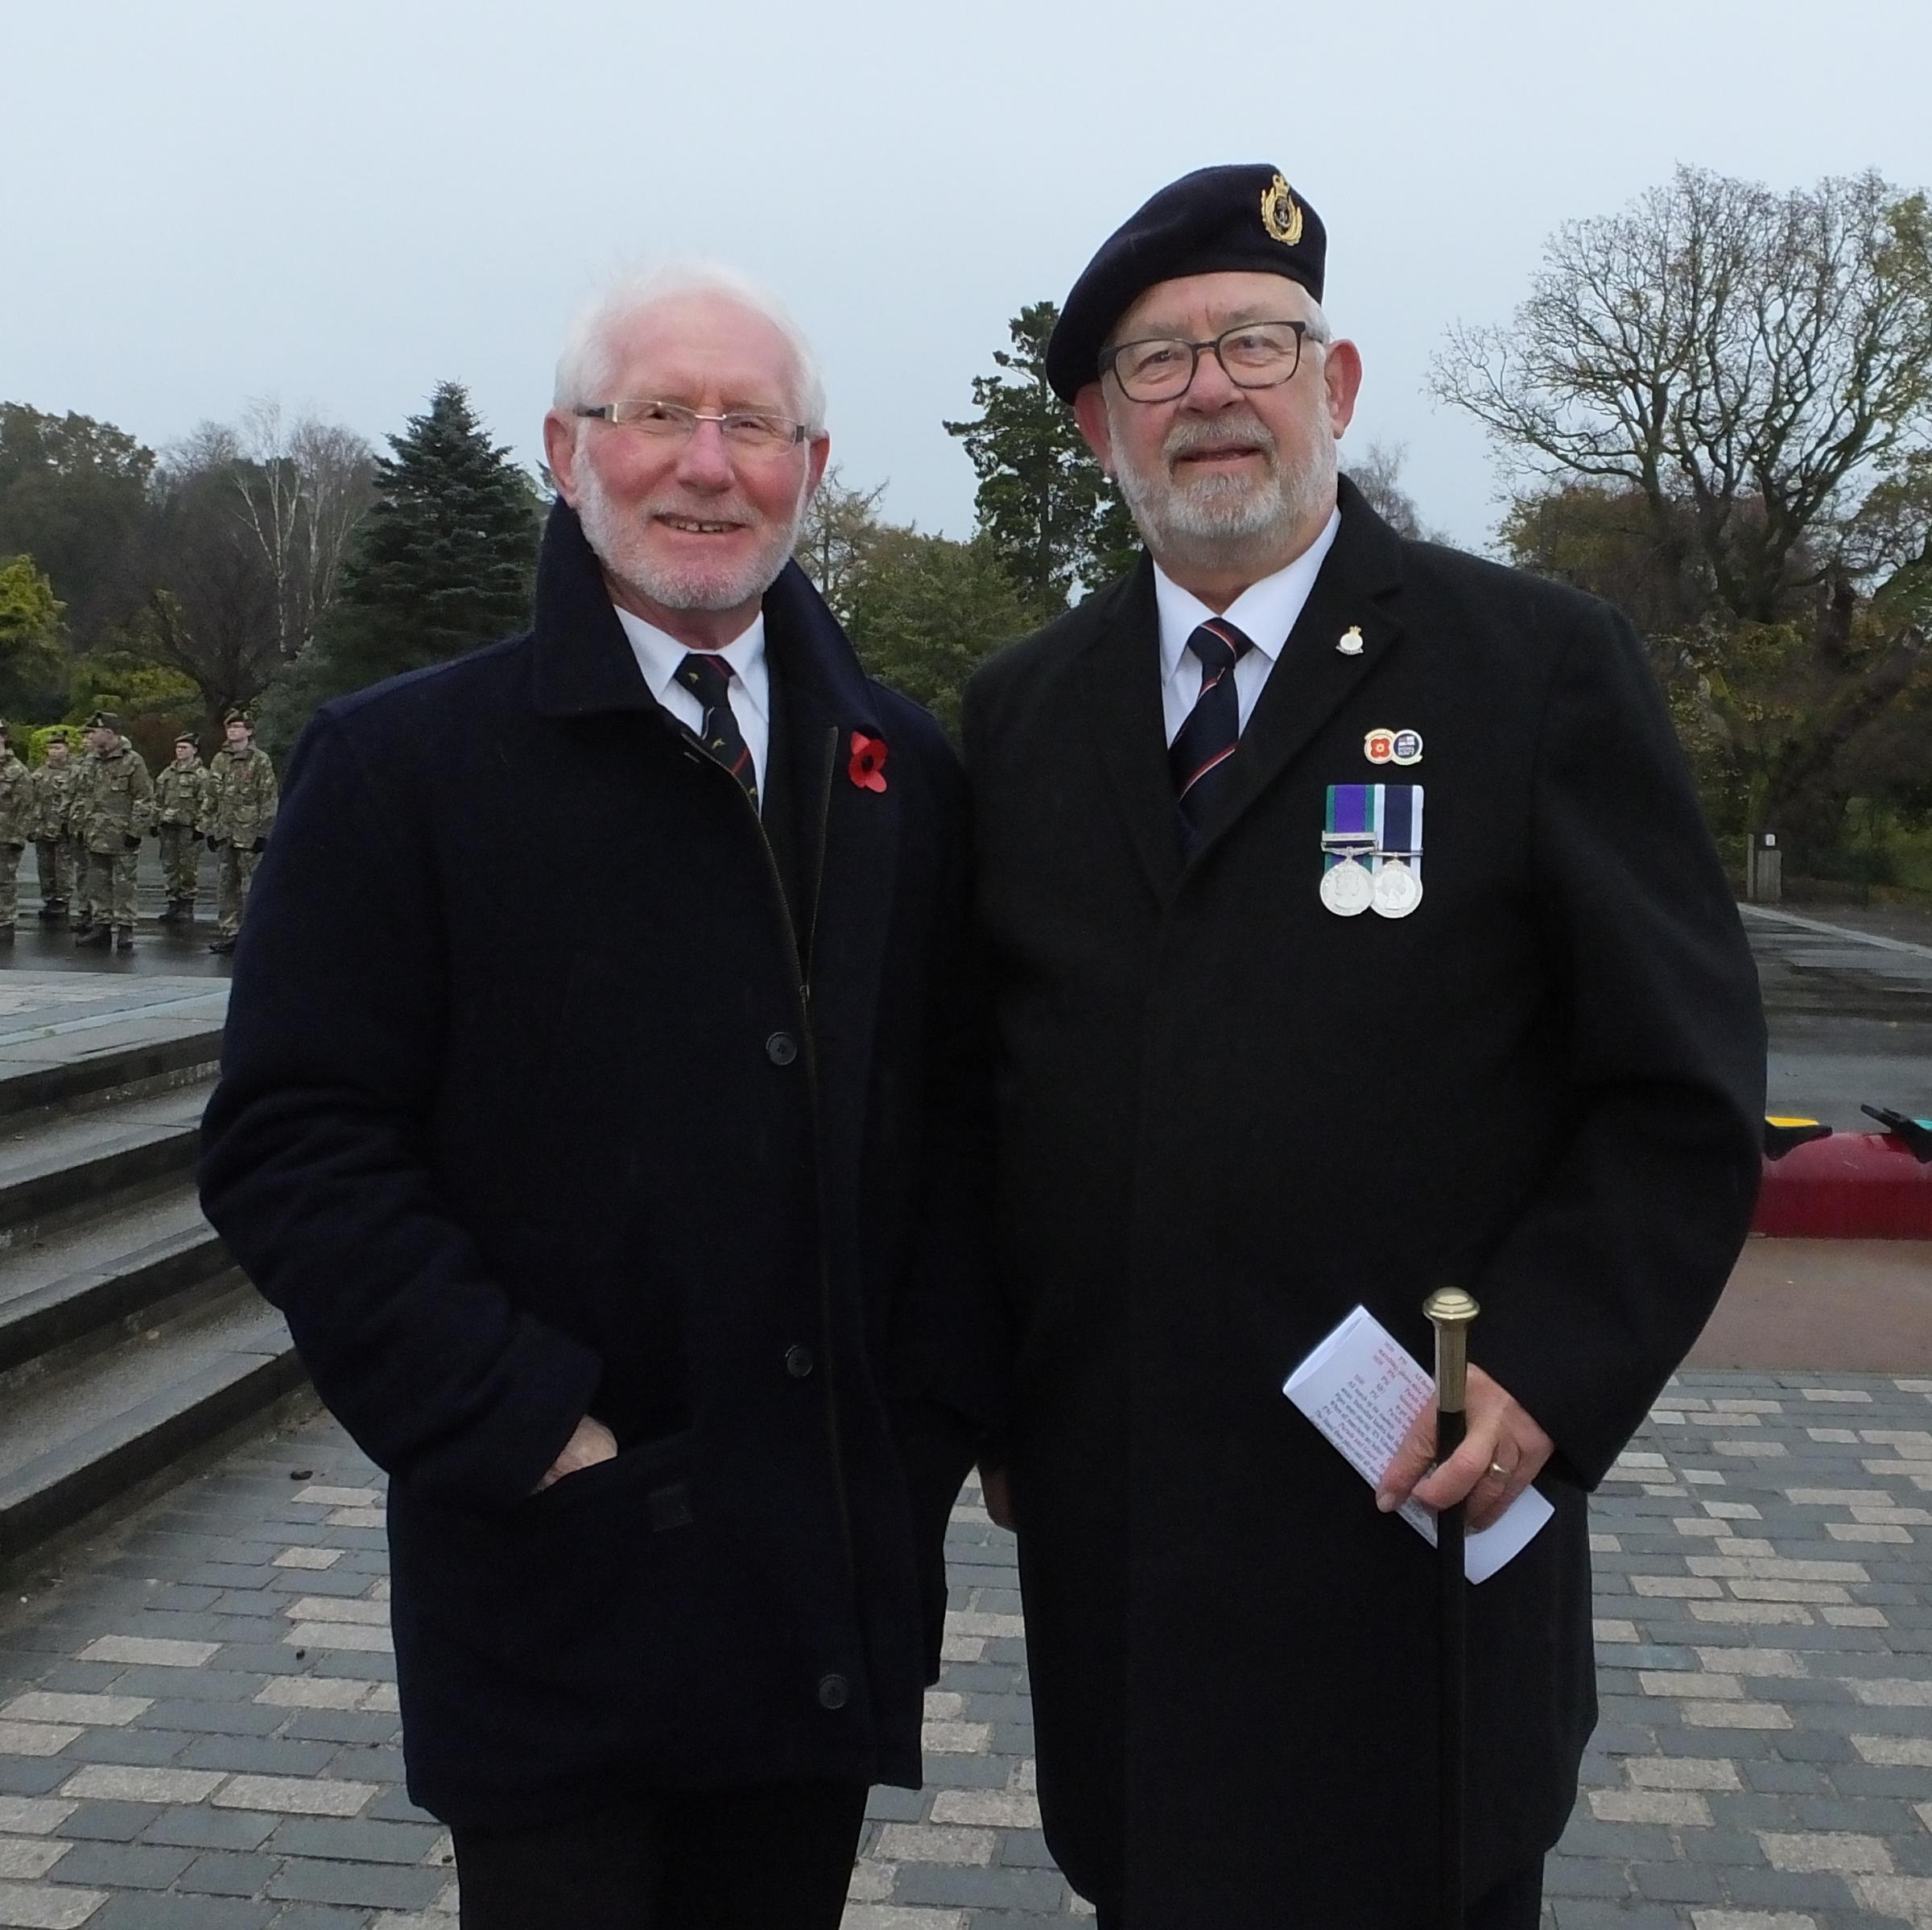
column 1043, row 503
column 925, row 612
column 444, row 561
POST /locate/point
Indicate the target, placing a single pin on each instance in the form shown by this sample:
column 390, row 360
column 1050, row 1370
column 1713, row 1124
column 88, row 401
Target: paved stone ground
column 197, row 1725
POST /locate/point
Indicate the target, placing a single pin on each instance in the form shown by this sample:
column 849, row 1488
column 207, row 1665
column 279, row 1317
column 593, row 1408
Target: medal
column 1396, row 890
column 1347, row 889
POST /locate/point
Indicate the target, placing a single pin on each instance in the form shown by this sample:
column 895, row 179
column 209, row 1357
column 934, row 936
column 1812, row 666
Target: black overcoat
column 522, row 1112
column 1226, row 1116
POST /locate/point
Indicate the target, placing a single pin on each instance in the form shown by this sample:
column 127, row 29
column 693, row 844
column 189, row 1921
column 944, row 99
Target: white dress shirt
column 1263, row 612
column 659, row 655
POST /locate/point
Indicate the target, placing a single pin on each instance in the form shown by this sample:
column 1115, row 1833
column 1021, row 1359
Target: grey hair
column 586, row 367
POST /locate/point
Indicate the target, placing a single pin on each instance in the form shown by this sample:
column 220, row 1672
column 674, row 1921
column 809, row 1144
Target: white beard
column 617, row 537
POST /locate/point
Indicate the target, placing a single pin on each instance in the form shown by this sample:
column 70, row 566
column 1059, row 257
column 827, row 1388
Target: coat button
column 799, row 1362
column 835, row 1692
column 781, row 1048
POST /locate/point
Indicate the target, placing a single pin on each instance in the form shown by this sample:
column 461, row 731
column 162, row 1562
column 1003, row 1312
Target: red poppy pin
column 867, row 769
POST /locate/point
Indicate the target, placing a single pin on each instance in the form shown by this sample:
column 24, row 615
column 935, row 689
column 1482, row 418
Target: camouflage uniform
column 240, row 809
column 114, row 808
column 16, row 826
column 181, row 810
column 55, row 847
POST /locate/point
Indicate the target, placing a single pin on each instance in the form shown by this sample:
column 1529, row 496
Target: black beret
column 1244, row 219
column 104, row 719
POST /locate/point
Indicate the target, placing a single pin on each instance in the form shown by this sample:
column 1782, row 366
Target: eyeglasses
column 1255, row 355
column 751, row 430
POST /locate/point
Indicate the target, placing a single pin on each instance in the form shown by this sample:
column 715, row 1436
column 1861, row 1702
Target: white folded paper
column 1363, row 1389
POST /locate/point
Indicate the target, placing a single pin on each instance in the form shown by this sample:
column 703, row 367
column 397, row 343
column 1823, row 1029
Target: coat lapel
column 1124, row 721
column 847, row 837
column 1357, row 589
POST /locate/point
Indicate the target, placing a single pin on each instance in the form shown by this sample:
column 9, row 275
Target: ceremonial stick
column 1450, row 1311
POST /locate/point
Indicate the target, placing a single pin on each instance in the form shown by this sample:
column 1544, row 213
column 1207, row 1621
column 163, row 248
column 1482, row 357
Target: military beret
column 184, row 738
column 239, row 716
column 1243, row 220
column 104, row 719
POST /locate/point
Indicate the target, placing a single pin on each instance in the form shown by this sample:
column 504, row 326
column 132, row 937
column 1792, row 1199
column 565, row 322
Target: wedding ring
column 1497, row 1469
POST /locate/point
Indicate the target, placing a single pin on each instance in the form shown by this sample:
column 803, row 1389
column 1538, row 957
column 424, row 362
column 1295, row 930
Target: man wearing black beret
column 1275, row 1042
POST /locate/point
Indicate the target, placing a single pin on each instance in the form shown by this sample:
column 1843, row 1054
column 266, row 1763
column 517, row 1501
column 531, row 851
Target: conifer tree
column 444, row 561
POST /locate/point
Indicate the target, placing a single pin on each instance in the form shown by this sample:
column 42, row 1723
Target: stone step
column 81, row 1283
column 58, row 1170
column 94, row 1066
column 78, row 1437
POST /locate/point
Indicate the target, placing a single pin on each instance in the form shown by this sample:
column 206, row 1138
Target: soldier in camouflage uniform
column 181, row 811
column 16, row 824
column 242, row 801
column 56, row 850
column 114, row 808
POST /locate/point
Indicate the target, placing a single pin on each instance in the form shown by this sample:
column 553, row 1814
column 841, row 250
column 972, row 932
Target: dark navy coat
column 550, row 1085
column 1226, row 1116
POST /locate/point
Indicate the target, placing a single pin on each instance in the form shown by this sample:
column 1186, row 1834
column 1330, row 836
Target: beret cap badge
column 1281, row 213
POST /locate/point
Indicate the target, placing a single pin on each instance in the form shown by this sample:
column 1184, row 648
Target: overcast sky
column 341, row 205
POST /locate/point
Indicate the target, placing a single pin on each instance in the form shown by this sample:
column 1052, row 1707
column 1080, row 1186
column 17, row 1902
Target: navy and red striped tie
column 1202, row 755
column 710, row 677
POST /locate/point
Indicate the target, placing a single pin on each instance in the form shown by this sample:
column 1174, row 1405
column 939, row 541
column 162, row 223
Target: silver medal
column 1346, row 888
column 1396, row 890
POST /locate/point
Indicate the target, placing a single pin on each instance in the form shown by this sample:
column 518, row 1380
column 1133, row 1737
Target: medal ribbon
column 1354, row 823
column 1400, row 827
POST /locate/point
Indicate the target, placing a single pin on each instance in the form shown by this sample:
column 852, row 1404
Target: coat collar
column 584, row 665
column 1357, row 588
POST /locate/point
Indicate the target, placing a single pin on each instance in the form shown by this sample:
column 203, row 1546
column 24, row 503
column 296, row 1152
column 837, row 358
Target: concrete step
column 59, row 1291
column 59, row 1170
column 75, row 1438
column 99, row 1066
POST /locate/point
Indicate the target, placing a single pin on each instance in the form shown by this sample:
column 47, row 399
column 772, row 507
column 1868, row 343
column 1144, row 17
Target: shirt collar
column 659, row 654
column 1263, row 612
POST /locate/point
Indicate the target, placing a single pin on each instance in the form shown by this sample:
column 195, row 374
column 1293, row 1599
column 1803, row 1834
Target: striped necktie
column 1202, row 755
column 709, row 676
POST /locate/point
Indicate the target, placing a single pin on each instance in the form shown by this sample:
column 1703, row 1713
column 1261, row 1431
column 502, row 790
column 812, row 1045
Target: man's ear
column 560, row 453
column 1090, row 412
column 1342, row 376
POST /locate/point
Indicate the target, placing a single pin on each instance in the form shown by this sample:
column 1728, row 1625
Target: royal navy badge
column 1281, row 213
column 1407, row 749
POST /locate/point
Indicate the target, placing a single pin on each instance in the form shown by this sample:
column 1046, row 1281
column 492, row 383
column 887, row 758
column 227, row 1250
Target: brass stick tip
column 1451, row 1306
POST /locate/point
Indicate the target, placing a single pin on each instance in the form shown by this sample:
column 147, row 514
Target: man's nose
column 1211, row 391
column 705, row 461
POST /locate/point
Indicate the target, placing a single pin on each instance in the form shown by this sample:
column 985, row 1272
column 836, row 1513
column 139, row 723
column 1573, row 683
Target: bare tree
column 838, row 531
column 1377, row 473
column 301, row 488
column 1760, row 357
column 1719, row 402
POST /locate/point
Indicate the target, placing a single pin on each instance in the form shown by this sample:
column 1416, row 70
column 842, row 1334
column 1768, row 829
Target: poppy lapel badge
column 867, row 769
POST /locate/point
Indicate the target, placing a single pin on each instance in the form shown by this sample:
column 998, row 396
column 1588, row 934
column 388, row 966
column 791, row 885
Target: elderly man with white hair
column 643, row 1257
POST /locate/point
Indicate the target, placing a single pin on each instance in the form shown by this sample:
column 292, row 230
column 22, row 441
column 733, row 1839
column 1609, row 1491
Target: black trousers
column 1516, row 1904
column 778, row 1857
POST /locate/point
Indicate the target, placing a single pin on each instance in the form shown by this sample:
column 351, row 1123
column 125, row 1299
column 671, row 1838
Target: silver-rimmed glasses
column 754, row 430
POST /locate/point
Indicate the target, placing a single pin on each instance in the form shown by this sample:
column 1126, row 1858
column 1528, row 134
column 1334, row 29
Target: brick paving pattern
column 198, row 1726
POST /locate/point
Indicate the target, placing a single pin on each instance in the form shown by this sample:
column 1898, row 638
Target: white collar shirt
column 1263, row 612
column 659, row 656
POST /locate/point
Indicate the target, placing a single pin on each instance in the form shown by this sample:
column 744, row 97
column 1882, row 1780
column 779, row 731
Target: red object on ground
column 1853, row 1186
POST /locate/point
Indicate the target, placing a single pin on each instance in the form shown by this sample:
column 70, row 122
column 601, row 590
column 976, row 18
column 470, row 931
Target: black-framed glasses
column 1254, row 355
column 750, row 429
